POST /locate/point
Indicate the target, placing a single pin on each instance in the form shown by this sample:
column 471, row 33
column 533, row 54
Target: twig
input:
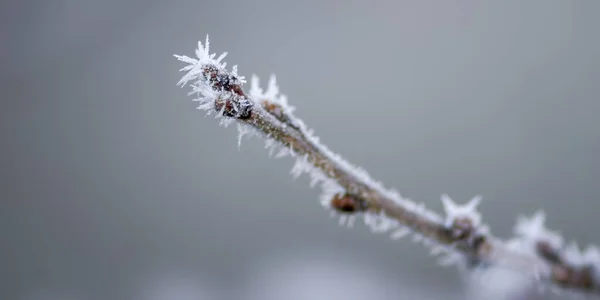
column 351, row 192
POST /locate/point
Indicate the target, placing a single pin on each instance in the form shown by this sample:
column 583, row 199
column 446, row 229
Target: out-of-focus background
column 113, row 186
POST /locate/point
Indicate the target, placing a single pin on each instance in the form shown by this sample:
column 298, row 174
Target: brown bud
column 568, row 276
column 561, row 274
column 584, row 277
column 347, row 203
column 480, row 245
column 462, row 228
column 545, row 250
column 235, row 106
column 222, row 81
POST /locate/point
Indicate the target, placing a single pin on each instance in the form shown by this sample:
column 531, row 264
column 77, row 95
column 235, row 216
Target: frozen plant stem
column 351, row 192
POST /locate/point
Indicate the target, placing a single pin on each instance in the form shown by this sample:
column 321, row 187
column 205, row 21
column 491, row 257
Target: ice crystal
column 271, row 94
column 591, row 255
column 243, row 130
column 534, row 230
column 195, row 65
column 211, row 81
column 575, row 256
column 467, row 210
column 400, row 233
column 379, row 222
column 452, row 258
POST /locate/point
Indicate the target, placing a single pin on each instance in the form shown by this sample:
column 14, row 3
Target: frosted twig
column 349, row 191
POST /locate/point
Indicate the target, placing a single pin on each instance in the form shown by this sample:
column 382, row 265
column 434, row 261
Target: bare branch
column 350, row 191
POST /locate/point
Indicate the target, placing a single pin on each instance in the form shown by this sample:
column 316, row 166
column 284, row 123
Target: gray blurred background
column 113, row 186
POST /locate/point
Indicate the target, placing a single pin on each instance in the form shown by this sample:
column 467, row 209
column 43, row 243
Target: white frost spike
column 300, row 166
column 195, row 65
column 242, row 131
column 533, row 229
column 315, row 177
column 329, row 189
column 272, row 89
column 428, row 243
column 205, row 106
column 271, row 94
column 343, row 220
column 283, row 152
column 351, row 220
column 591, row 255
column 255, row 92
column 573, row 254
column 225, row 122
column 271, row 146
column 468, row 210
column 347, row 220
column 417, row 237
column 437, row 250
column 203, row 51
column 379, row 223
column 400, row 233
column 220, row 58
column 450, row 259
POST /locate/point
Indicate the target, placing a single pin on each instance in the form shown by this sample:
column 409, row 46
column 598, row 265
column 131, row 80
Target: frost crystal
column 573, row 255
column 591, row 255
column 216, row 87
column 271, row 94
column 243, row 130
column 379, row 222
column 452, row 258
column 400, row 233
column 533, row 230
column 467, row 210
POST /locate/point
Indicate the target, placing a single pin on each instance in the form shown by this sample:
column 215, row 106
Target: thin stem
column 460, row 233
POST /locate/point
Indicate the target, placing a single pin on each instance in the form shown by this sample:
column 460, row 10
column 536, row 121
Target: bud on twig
column 347, row 203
